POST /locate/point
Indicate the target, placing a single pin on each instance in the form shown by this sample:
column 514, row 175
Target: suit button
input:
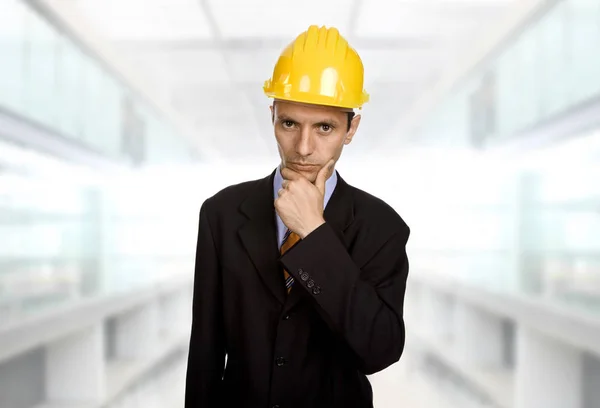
column 316, row 290
column 310, row 283
column 304, row 276
column 280, row 361
column 275, row 406
column 286, row 317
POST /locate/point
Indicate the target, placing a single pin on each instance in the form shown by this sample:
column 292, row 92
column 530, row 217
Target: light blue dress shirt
column 329, row 187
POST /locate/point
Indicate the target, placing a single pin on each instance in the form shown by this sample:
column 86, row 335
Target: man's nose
column 305, row 144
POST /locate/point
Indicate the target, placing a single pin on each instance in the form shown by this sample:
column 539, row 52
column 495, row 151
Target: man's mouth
column 303, row 166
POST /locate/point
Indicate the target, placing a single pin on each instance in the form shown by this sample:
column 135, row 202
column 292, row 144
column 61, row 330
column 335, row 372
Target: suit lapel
column 339, row 213
column 259, row 236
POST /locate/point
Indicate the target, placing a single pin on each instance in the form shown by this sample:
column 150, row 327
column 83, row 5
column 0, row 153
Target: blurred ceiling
column 210, row 58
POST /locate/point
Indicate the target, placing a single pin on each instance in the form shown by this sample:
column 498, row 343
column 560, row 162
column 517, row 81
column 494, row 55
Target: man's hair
column 350, row 117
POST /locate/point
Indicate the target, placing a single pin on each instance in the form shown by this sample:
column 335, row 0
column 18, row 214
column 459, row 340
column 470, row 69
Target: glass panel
column 46, row 77
column 527, row 92
column 111, row 125
column 545, row 51
column 543, row 240
column 89, row 101
column 12, row 54
column 584, row 37
column 565, row 239
column 505, row 93
column 554, row 46
column 40, row 68
column 40, row 231
column 69, row 83
column 516, row 61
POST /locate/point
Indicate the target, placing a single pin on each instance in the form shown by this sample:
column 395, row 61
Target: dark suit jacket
column 314, row 347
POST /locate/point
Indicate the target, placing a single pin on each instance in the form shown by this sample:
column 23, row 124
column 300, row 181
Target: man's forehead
column 308, row 113
column 300, row 106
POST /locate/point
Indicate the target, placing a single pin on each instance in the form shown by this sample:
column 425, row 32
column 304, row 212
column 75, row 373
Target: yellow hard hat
column 319, row 67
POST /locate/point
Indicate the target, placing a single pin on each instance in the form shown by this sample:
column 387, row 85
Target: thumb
column 323, row 175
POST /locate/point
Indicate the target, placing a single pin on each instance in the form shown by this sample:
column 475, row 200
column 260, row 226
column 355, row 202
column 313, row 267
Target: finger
column 289, row 174
column 285, row 184
column 323, row 175
column 280, row 192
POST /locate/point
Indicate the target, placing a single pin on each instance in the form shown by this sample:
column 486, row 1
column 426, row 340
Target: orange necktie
column 290, row 239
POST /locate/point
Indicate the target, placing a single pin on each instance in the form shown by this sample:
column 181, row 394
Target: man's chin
column 310, row 175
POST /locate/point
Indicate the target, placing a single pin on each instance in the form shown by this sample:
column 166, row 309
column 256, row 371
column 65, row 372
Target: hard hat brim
column 312, row 104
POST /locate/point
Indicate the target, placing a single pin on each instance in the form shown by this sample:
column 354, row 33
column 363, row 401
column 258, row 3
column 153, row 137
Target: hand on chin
column 300, row 200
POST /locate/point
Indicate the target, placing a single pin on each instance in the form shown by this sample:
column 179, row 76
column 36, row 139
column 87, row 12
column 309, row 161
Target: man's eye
column 325, row 128
column 288, row 123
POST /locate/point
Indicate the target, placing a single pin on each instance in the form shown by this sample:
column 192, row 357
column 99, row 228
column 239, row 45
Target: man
column 300, row 277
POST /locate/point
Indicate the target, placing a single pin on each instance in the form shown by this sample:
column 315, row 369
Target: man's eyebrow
column 284, row 117
column 328, row 122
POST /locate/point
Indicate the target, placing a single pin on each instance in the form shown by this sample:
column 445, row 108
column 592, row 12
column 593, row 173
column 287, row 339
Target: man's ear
column 353, row 128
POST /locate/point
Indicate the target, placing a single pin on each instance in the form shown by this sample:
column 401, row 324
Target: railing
column 509, row 349
column 97, row 350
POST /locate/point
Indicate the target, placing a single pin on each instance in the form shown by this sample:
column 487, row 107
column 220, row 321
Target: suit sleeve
column 364, row 306
column 207, row 352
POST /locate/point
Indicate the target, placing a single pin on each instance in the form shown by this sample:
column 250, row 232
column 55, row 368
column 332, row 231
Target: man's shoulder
column 232, row 196
column 376, row 211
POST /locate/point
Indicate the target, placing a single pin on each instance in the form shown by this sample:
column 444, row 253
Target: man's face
column 308, row 136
